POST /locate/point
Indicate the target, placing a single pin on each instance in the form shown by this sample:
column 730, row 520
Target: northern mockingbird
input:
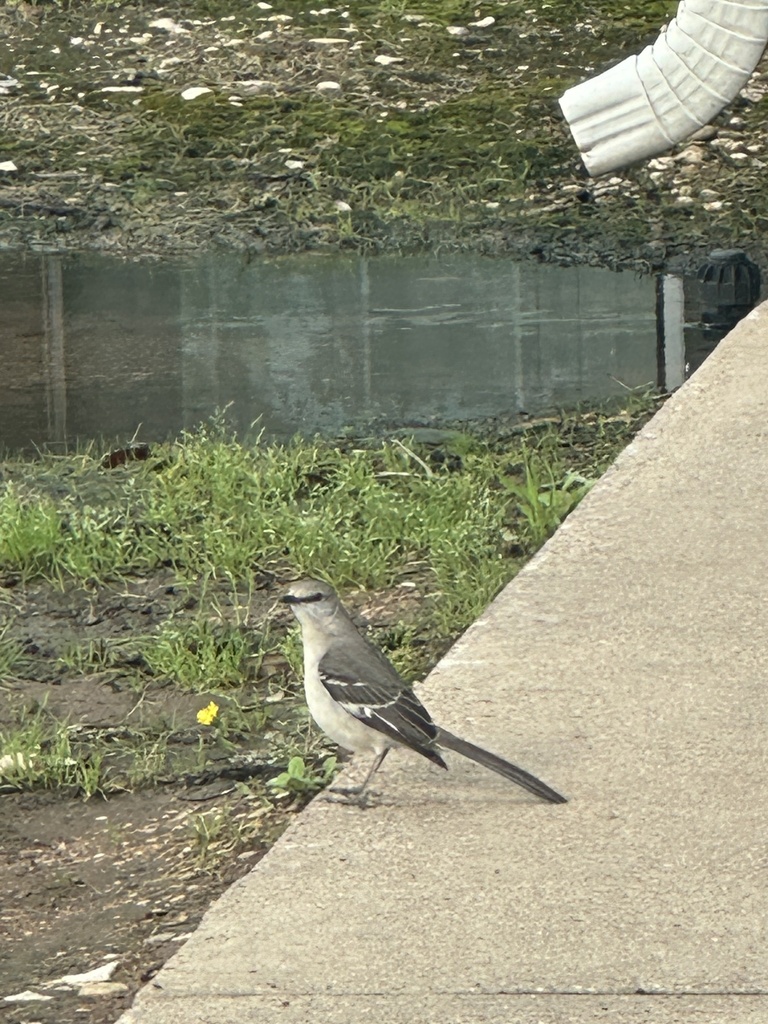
column 357, row 697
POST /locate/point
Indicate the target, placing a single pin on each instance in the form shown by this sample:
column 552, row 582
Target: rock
column 383, row 58
column 328, row 88
column 256, row 87
column 483, row 23
column 705, row 134
column 103, row 973
column 457, row 30
column 26, row 997
column 10, row 763
column 691, row 155
column 102, row 988
column 194, row 91
column 168, row 25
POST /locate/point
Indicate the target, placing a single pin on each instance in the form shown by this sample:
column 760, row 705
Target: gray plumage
column 358, row 698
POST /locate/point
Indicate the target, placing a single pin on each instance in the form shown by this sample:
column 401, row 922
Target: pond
column 96, row 347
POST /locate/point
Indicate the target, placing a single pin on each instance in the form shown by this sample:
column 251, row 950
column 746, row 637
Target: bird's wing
column 367, row 686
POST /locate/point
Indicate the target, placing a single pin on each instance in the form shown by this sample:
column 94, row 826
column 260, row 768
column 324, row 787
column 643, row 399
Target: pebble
column 103, row 973
column 26, row 997
column 256, row 87
column 168, row 25
column 194, row 91
column 102, row 988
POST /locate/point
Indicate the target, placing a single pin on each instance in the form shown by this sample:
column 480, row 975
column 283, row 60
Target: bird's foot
column 351, row 796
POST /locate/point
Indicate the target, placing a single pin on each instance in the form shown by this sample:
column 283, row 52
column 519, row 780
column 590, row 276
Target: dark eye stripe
column 309, row 599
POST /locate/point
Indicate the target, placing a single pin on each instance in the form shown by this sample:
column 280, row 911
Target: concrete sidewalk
column 627, row 665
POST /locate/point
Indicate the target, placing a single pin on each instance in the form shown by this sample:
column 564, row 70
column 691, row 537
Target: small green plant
column 198, row 655
column 301, row 779
column 11, row 653
column 226, row 829
column 40, row 753
column 545, row 496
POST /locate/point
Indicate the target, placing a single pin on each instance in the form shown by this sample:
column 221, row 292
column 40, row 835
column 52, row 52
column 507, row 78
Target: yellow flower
column 207, row 715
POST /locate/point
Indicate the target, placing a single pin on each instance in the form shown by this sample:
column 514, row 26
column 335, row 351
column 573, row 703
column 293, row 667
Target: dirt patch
column 124, row 880
column 98, row 882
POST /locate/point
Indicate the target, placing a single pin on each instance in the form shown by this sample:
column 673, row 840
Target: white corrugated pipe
column 653, row 100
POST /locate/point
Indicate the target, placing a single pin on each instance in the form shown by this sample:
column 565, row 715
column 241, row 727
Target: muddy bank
column 398, row 128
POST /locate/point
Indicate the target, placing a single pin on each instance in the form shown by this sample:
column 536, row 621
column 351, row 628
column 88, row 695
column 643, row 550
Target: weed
column 11, row 653
column 300, row 779
column 545, row 496
column 39, row 752
column 226, row 830
column 198, row 655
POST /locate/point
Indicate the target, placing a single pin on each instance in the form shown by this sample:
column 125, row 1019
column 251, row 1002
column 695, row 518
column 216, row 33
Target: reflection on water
column 98, row 347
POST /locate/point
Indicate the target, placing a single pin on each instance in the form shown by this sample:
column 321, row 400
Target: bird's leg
column 357, row 793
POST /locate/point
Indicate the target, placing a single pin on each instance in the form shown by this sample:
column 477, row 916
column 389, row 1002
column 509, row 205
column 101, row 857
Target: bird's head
column 312, row 601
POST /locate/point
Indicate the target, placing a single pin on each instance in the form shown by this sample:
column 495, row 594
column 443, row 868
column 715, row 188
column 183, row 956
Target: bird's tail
column 498, row 764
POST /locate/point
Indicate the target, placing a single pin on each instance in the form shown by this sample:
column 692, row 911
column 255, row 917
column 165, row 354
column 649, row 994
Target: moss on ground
column 431, row 138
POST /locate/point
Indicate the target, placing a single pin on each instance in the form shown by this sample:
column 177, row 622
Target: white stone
column 26, row 997
column 168, row 25
column 294, row 165
column 484, row 22
column 102, row 988
column 329, row 41
column 328, row 88
column 194, row 91
column 123, row 88
column 457, row 30
column 691, row 155
column 342, row 207
column 103, row 973
column 383, row 58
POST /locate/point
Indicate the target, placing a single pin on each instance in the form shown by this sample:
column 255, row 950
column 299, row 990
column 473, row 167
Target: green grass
column 39, row 751
column 213, row 508
column 214, row 517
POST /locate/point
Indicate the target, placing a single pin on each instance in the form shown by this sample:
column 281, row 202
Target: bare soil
column 87, row 882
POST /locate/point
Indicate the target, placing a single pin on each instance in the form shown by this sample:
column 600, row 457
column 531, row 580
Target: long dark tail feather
column 498, row 764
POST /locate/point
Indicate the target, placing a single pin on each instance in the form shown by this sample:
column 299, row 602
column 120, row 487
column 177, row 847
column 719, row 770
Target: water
column 96, row 347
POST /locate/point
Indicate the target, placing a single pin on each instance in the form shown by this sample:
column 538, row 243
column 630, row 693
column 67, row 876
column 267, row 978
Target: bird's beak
column 290, row 599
